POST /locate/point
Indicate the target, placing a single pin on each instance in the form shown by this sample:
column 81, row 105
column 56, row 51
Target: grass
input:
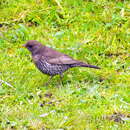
column 96, row 32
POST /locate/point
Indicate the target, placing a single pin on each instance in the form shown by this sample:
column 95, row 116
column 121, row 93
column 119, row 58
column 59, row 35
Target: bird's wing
column 55, row 57
column 62, row 60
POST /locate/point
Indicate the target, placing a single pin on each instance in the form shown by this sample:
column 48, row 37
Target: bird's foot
column 47, row 83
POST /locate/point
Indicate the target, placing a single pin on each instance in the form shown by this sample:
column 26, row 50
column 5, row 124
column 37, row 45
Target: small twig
column 3, row 97
column 124, row 102
column 58, row 3
column 2, row 81
column 46, row 114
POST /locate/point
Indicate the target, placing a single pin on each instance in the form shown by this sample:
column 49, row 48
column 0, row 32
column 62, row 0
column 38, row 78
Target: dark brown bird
column 52, row 62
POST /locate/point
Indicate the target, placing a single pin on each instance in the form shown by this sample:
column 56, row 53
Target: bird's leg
column 48, row 82
column 61, row 77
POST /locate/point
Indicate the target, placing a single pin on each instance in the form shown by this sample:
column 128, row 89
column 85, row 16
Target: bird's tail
column 81, row 64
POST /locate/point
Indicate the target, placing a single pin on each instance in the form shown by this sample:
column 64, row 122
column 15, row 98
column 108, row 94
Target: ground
column 96, row 32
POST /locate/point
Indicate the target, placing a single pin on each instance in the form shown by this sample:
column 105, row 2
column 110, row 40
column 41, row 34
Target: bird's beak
column 24, row 45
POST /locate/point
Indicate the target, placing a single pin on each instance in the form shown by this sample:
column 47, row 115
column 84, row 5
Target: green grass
column 96, row 32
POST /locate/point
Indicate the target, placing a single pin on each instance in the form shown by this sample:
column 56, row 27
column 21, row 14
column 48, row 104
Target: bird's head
column 33, row 46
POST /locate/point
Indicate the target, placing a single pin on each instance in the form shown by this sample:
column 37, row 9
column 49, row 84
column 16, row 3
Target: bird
column 52, row 62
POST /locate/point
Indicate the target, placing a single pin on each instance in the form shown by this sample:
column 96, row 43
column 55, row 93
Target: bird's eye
column 30, row 46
